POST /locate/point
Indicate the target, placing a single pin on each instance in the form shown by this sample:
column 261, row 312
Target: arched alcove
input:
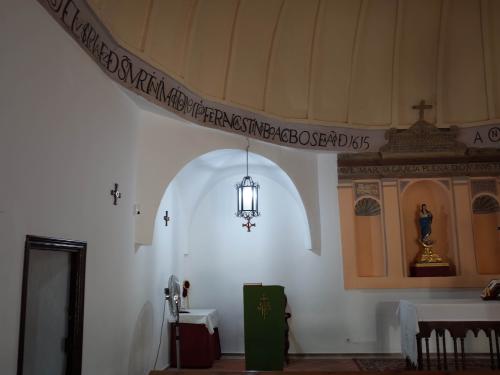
column 157, row 169
column 437, row 196
column 485, row 220
column 370, row 249
column 216, row 253
column 204, row 173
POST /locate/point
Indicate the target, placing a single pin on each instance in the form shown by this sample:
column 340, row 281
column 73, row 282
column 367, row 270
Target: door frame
column 78, row 251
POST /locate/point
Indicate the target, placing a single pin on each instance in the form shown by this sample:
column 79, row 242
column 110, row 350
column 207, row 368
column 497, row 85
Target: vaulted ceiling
column 339, row 62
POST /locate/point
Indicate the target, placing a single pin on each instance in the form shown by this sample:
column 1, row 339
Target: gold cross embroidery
column 264, row 306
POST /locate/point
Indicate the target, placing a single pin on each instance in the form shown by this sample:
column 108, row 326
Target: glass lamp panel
column 255, row 196
column 240, row 201
column 247, row 198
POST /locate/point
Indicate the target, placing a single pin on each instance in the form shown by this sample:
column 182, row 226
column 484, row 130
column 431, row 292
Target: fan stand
column 173, row 296
column 177, row 337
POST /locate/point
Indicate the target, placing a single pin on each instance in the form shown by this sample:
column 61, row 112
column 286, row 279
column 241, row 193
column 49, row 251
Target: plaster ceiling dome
column 358, row 63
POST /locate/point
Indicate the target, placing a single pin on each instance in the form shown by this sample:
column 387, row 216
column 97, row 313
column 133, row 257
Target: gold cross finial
column 421, row 108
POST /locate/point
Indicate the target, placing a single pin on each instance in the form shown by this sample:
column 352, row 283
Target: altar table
column 199, row 339
column 419, row 318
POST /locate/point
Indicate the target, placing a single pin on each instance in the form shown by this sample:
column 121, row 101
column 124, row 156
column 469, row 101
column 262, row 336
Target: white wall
column 167, row 144
column 223, row 255
column 66, row 135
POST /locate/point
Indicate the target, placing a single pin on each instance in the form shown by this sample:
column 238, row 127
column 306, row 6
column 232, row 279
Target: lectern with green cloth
column 264, row 312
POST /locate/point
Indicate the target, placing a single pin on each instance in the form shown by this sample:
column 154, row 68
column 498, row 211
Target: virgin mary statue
column 425, row 222
column 427, row 257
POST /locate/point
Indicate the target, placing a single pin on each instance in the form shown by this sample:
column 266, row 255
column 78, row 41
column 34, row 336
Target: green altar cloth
column 264, row 317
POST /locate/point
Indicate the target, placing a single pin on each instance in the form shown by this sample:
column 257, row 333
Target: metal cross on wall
column 421, row 108
column 116, row 195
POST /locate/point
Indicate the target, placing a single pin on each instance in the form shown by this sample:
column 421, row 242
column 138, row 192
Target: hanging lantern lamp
column 247, row 193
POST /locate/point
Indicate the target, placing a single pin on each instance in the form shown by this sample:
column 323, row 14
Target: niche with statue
column 428, row 227
column 383, row 240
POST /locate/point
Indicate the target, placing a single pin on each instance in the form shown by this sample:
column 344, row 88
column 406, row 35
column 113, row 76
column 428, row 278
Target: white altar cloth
column 412, row 312
column 208, row 317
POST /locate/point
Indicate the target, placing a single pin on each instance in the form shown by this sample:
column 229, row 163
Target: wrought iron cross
column 116, row 195
column 166, row 218
column 248, row 224
column 421, row 108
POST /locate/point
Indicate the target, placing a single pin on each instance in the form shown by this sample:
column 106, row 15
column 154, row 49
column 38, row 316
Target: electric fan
column 173, row 295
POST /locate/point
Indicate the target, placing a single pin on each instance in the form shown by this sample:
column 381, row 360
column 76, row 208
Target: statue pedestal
column 430, row 264
column 431, row 270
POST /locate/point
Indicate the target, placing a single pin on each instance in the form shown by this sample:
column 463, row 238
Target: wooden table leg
column 437, row 351
column 463, row 352
column 428, row 356
column 492, row 356
column 445, row 359
column 420, row 363
column 498, row 349
column 455, row 352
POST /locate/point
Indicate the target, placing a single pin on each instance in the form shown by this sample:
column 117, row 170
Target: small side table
column 199, row 339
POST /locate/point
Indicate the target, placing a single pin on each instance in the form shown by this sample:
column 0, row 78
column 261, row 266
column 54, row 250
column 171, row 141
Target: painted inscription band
column 78, row 19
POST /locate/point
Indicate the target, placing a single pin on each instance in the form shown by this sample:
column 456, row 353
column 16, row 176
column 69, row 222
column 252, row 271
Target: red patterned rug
column 396, row 364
